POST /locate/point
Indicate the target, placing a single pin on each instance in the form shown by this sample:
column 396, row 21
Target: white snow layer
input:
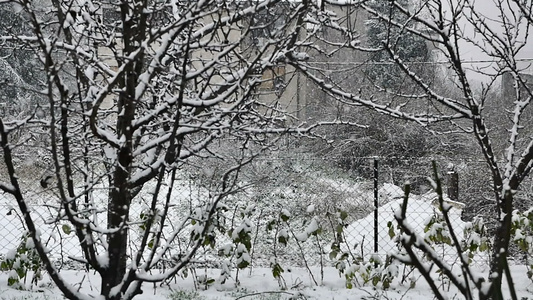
column 420, row 209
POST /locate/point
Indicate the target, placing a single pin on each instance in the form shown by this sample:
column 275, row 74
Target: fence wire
column 300, row 210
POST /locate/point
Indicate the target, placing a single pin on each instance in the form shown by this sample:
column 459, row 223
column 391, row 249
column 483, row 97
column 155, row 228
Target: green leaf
column 392, row 234
column 521, row 244
column 209, row 241
column 38, row 274
column 282, row 240
column 484, row 246
column 21, row 272
column 270, row 225
column 284, row 217
column 66, row 228
column 12, row 281
column 375, row 280
column 333, row 254
column 243, row 264
column 343, row 215
column 344, row 256
column 277, row 270
column 247, row 243
column 386, row 283
column 349, row 285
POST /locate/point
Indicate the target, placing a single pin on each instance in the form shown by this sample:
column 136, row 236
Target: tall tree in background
column 372, row 72
column 134, row 90
column 19, row 70
column 406, row 45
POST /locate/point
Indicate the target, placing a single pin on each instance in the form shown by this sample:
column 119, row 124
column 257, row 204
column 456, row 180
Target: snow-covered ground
column 296, row 283
column 259, row 282
column 261, row 285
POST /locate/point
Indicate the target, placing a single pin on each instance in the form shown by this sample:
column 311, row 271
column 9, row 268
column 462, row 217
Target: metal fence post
column 376, row 205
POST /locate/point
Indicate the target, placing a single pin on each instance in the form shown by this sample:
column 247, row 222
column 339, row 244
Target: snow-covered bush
column 22, row 262
column 522, row 236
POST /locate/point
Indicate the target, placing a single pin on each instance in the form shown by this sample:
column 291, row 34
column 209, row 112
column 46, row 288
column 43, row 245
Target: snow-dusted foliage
column 21, row 260
column 133, row 91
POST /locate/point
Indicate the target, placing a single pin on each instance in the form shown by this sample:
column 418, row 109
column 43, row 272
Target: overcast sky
column 489, row 10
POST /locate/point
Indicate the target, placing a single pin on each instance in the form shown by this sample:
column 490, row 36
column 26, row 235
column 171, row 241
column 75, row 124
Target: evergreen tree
column 20, row 74
column 382, row 33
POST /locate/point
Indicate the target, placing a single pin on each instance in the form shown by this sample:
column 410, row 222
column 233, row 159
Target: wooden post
column 452, row 183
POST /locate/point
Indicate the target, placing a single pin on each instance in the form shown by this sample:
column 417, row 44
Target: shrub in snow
column 522, row 236
column 283, row 232
column 476, row 240
column 21, row 260
column 355, row 259
column 357, row 268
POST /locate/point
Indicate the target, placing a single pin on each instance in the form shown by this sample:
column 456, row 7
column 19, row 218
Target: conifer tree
column 407, row 46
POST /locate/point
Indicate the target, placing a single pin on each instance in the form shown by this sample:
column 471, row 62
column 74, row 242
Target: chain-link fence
column 355, row 207
column 299, row 210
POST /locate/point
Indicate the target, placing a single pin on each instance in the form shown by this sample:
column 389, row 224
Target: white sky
column 470, row 52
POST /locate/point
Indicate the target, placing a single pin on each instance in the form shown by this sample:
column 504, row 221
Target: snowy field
column 261, row 285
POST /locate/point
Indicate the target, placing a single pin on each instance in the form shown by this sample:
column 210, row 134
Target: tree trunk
column 119, row 203
column 500, row 250
column 120, row 194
